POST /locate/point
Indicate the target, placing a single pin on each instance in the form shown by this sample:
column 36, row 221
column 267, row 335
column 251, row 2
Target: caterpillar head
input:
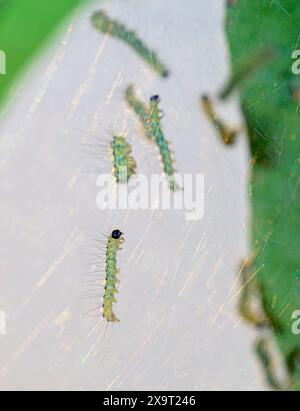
column 155, row 99
column 116, row 234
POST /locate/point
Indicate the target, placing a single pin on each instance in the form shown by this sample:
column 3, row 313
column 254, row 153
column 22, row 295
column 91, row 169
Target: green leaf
column 25, row 25
column 270, row 103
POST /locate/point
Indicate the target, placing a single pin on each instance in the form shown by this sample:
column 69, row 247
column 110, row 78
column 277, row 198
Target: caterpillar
column 156, row 132
column 139, row 108
column 105, row 24
column 253, row 311
column 150, row 120
column 250, row 304
column 114, row 242
column 257, row 62
column 227, row 134
column 123, row 161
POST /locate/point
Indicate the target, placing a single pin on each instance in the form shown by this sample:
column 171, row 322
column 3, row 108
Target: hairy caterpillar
column 104, row 23
column 139, row 108
column 114, row 242
column 123, row 161
column 156, row 132
column 227, row 134
column 150, row 119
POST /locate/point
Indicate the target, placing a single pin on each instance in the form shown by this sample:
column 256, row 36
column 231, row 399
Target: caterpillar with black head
column 104, row 23
column 114, row 242
column 150, row 120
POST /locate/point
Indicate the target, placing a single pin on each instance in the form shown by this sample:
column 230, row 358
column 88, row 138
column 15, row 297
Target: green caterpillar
column 150, row 120
column 139, row 108
column 162, row 144
column 105, row 24
column 124, row 163
column 113, row 245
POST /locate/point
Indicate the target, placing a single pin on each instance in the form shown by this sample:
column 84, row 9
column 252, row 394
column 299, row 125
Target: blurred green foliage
column 270, row 104
column 25, row 25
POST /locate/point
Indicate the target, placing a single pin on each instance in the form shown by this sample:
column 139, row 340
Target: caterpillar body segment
column 114, row 242
column 139, row 108
column 254, row 63
column 156, row 133
column 150, row 119
column 227, row 134
column 105, row 24
column 123, row 161
column 250, row 301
